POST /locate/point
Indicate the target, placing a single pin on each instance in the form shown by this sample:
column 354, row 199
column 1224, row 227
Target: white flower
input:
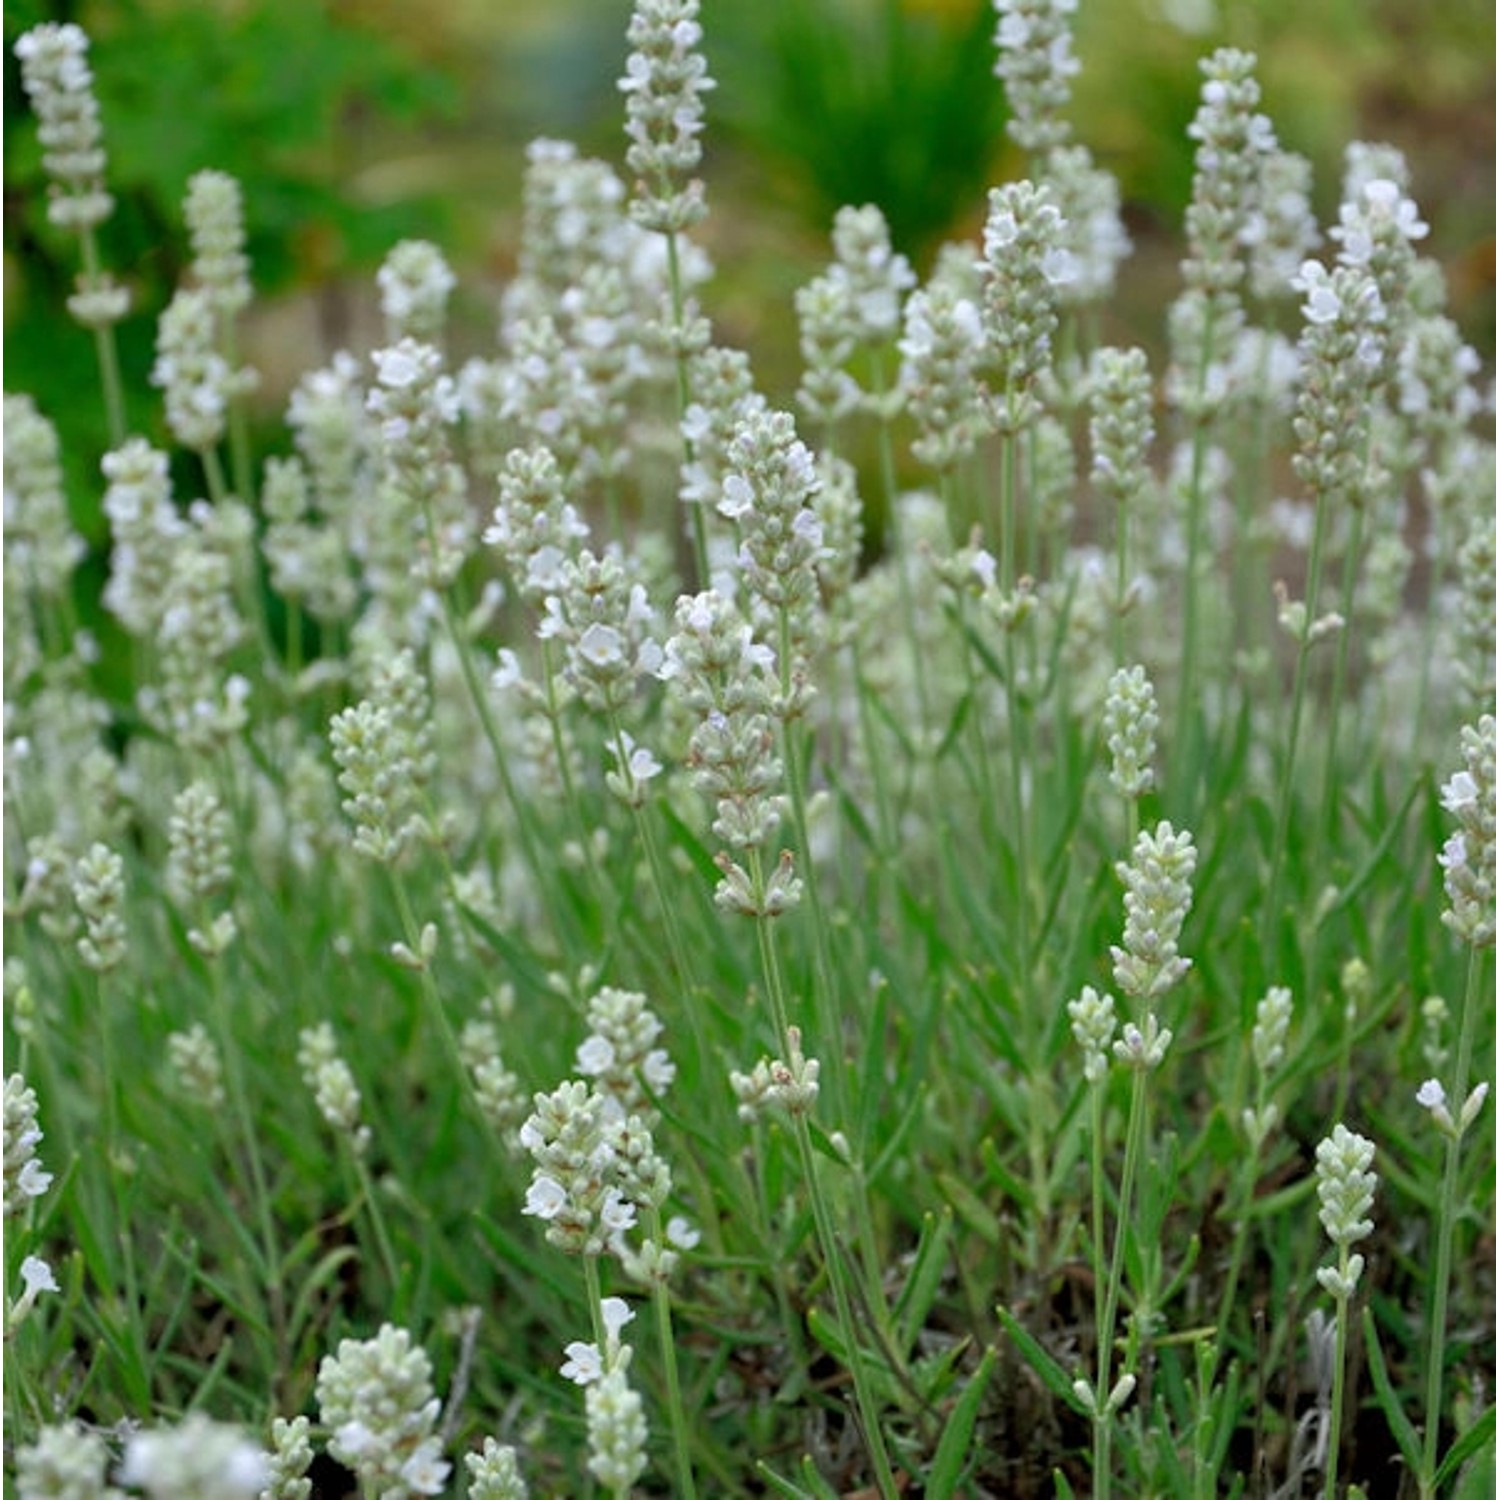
column 507, row 672
column 34, row 1181
column 658, row 1070
column 1432, row 1095
column 1460, row 792
column 681, row 1233
column 37, row 1275
column 616, row 1212
column 596, row 1055
column 426, row 1471
column 602, row 646
column 395, row 368
column 583, row 1363
column 616, row 1313
column 736, row 497
column 546, row 1197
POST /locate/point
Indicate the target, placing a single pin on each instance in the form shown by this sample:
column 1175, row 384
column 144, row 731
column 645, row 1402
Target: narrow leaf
column 958, row 1435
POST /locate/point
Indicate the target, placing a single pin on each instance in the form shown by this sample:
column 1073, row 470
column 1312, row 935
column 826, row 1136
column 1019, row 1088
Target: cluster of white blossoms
column 1346, row 1192
column 1468, row 857
column 375, row 1397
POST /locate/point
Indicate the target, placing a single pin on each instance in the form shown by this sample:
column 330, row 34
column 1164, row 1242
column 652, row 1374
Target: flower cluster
column 199, row 863
column 1034, row 45
column 494, row 1473
column 769, row 484
column 194, row 1058
column 56, row 76
column 619, row 1054
column 99, row 891
column 664, row 77
column 1130, row 722
column 375, row 1397
column 1346, row 1191
column 575, row 1185
column 215, row 215
column 1158, row 893
column 414, row 402
column 497, row 1091
column 64, row 1463
column 790, row 1084
column 1120, row 429
column 602, row 620
column 41, row 545
column 414, row 283
column 1340, row 349
column 941, row 346
column 1273, row 1019
column 332, row 1083
column 1093, row 1026
column 198, row 1457
column 722, row 676
column 1026, row 263
column 1233, row 138
column 1468, row 857
column 197, row 380
column 25, row 1178
column 288, row 1461
column 383, row 747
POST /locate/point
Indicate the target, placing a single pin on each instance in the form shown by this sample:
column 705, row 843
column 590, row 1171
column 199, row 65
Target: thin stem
column 1447, row 1215
column 1336, row 1415
column 674, row 280
column 240, row 1103
column 377, row 1218
column 828, row 1242
column 519, row 811
column 1183, row 739
column 1328, row 819
column 662, row 1302
column 1289, row 766
column 105, row 348
column 1134, row 1136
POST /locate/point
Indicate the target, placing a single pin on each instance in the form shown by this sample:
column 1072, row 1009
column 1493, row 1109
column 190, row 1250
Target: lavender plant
column 699, row 919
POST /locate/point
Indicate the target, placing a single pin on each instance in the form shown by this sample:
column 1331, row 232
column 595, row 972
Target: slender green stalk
column 828, row 1242
column 1187, row 684
column 570, row 788
column 1270, row 913
column 520, row 814
column 684, row 394
column 259, row 1192
column 1448, row 1207
column 1327, row 826
column 661, row 1300
column 106, row 348
column 377, row 1220
column 1340, row 1356
column 1135, row 1133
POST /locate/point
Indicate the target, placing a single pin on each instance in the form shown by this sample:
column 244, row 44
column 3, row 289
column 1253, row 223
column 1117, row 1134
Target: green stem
column 1336, row 1415
column 106, row 348
column 823, row 1220
column 674, row 279
column 520, row 813
column 1447, row 1215
column 1327, row 827
column 1134, row 1136
column 259, row 1192
column 1289, row 765
column 377, row 1219
column 662, row 1302
column 1184, row 748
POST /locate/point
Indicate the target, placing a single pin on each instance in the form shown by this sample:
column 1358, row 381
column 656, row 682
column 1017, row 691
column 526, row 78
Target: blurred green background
column 353, row 124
